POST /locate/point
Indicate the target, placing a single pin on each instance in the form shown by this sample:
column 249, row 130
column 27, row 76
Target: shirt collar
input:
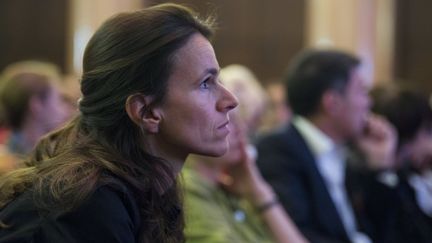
column 317, row 141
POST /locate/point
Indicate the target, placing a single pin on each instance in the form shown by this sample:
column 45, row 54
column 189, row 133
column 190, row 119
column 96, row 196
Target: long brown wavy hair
column 130, row 53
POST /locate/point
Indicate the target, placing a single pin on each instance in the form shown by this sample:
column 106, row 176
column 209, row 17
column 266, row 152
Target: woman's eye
column 205, row 84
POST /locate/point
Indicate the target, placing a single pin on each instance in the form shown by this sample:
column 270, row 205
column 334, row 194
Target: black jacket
column 109, row 215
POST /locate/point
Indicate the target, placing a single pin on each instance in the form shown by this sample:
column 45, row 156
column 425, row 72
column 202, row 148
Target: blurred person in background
column 31, row 106
column 226, row 199
column 408, row 198
column 278, row 112
column 306, row 161
column 32, row 66
column 244, row 84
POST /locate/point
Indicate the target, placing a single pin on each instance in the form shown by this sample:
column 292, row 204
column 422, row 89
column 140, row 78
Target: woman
column 150, row 97
column 226, row 198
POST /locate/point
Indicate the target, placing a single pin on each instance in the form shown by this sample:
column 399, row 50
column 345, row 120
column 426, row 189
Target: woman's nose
column 227, row 101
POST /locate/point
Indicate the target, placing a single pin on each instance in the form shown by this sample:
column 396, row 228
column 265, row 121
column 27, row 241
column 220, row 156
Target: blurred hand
column 378, row 143
column 244, row 180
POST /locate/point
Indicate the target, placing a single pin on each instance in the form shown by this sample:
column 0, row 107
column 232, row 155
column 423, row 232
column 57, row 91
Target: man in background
column 306, row 161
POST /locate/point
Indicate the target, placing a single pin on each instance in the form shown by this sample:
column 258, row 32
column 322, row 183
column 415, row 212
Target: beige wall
column 363, row 27
column 86, row 16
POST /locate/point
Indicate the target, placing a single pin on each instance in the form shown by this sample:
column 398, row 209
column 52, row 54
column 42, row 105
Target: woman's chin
column 216, row 151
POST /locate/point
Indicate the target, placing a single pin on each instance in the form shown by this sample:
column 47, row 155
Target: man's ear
column 140, row 110
column 330, row 101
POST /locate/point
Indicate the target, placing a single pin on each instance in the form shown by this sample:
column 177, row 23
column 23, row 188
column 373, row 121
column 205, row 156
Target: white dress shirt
column 331, row 163
column 422, row 185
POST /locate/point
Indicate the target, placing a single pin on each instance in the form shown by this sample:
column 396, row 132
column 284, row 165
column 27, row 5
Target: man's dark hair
column 312, row 73
column 406, row 109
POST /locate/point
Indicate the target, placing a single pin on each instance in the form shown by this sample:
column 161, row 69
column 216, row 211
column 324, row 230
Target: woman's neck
column 174, row 156
column 209, row 172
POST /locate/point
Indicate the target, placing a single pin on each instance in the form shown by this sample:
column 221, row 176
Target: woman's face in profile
column 195, row 110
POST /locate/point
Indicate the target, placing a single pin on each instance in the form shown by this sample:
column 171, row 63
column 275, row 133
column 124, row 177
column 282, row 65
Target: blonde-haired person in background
column 31, row 106
column 28, row 66
column 226, row 199
column 278, row 112
column 245, row 85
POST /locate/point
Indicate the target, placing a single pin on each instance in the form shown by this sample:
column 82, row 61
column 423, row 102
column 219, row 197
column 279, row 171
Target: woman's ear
column 140, row 110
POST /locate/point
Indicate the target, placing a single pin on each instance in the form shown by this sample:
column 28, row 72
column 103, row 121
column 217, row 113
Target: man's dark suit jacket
column 287, row 163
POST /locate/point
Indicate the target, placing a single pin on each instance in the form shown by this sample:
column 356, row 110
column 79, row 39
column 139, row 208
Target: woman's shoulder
column 110, row 214
column 110, row 202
